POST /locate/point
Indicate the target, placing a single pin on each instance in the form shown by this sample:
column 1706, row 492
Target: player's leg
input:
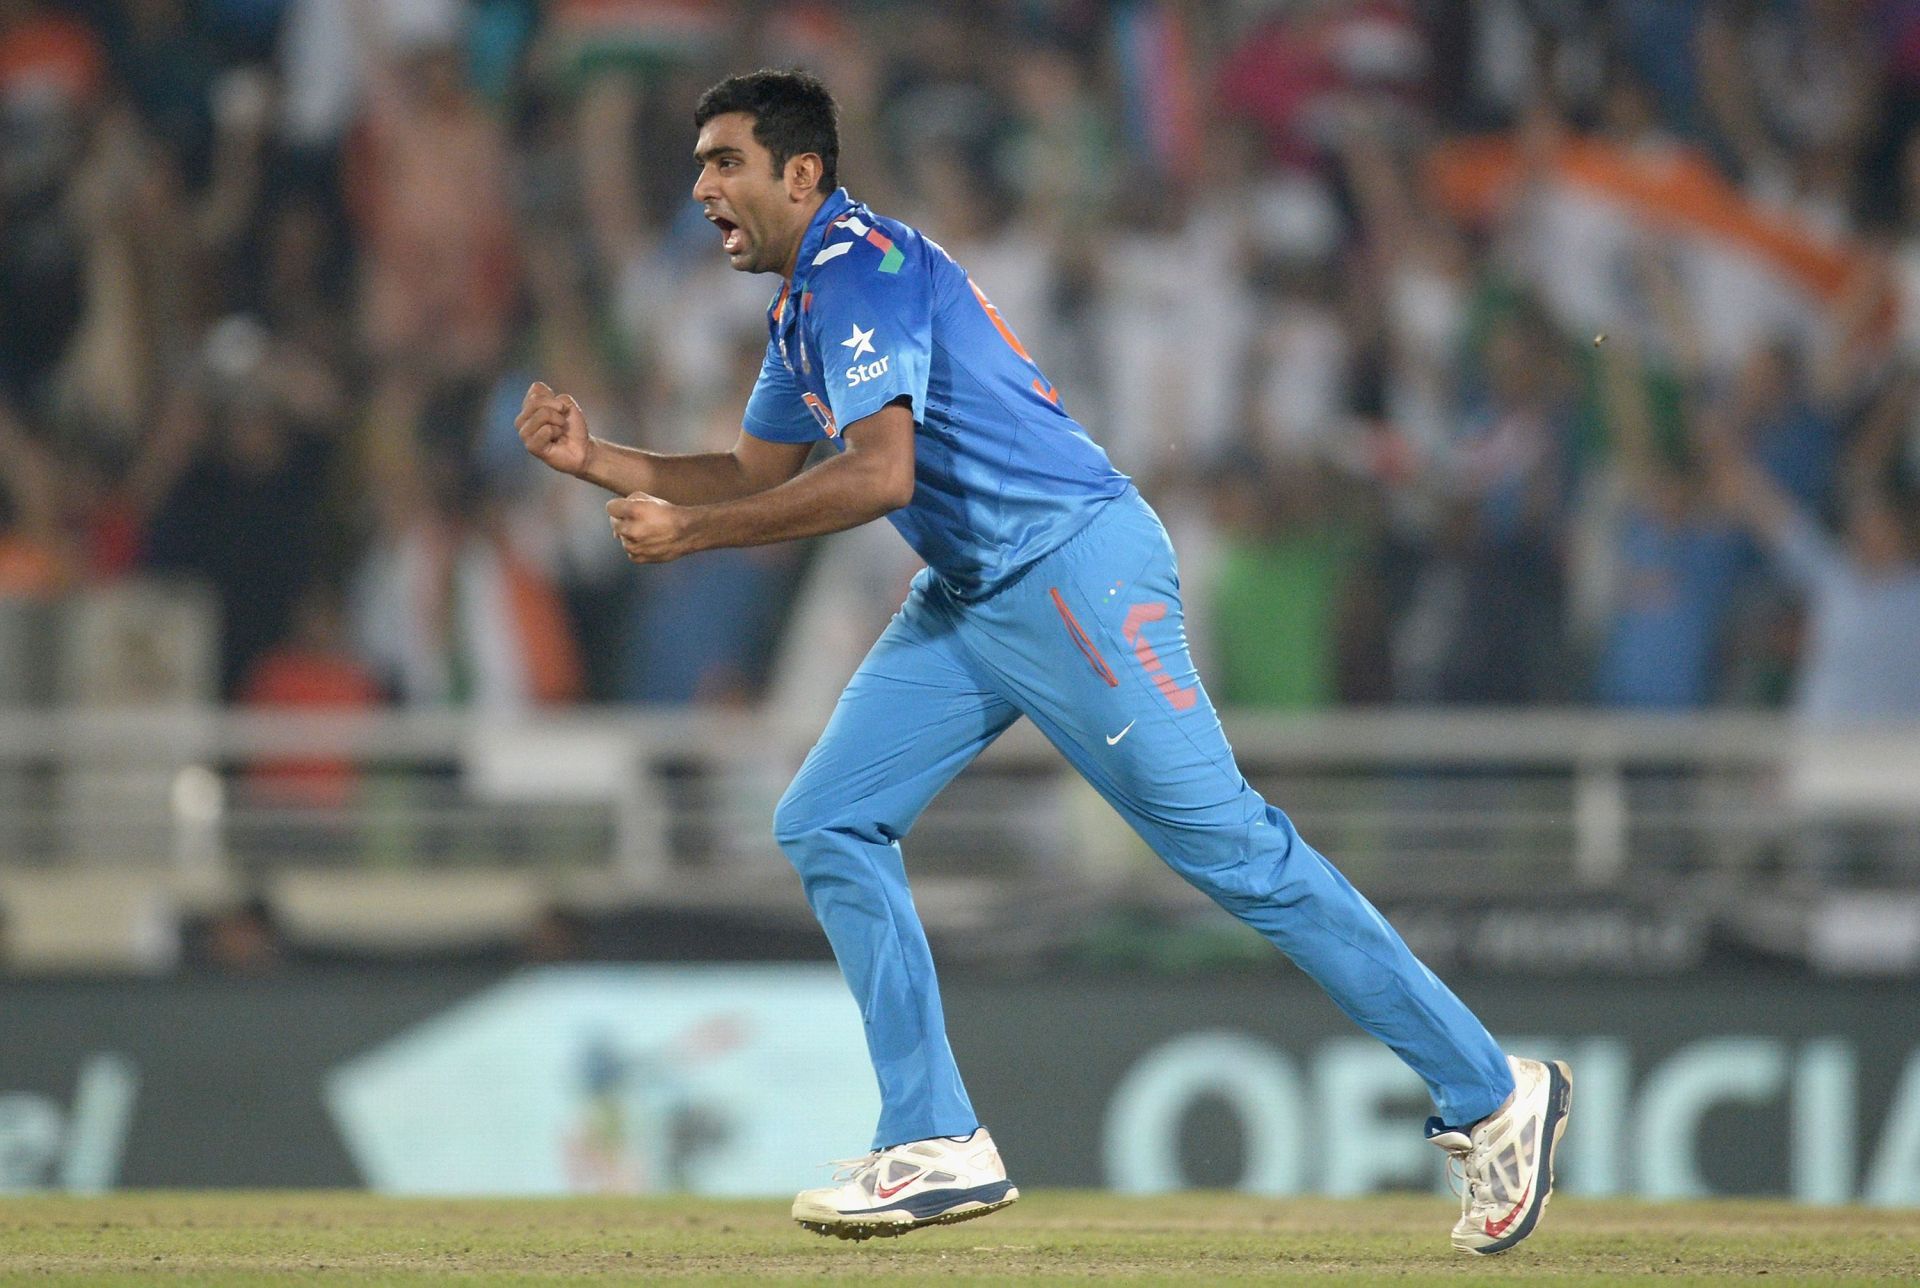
column 1091, row 646
column 913, row 716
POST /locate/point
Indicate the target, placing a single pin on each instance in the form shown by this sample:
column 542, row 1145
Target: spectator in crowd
column 430, row 183
column 1773, row 409
column 1677, row 557
column 445, row 609
column 52, row 75
column 242, row 467
column 703, row 623
column 263, row 260
column 35, row 558
column 1283, row 580
column 1491, row 603
column 165, row 62
column 311, row 669
column 1862, row 590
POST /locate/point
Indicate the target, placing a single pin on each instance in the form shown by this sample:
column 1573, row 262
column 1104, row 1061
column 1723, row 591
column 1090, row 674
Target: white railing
column 642, row 796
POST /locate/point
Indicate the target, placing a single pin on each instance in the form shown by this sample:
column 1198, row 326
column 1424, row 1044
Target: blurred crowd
column 1514, row 352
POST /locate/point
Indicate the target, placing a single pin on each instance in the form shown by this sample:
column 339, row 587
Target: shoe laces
column 1470, row 1176
column 846, row 1169
column 1461, row 1175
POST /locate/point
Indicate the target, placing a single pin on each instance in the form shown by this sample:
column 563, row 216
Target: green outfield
column 1048, row 1238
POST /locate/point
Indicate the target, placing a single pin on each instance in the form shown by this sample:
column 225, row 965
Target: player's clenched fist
column 553, row 428
column 650, row 530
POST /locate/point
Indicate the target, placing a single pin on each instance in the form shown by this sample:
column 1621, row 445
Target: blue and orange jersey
column 876, row 313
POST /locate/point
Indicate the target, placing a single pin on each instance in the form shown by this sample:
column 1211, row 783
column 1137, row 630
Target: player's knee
column 798, row 816
column 818, row 829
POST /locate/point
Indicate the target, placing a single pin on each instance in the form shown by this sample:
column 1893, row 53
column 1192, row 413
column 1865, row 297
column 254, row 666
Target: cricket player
column 1050, row 592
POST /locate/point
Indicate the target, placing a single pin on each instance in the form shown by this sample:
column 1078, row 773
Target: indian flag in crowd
column 643, row 35
column 1754, row 273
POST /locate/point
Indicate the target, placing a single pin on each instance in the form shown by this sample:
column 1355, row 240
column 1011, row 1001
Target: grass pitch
column 1047, row 1238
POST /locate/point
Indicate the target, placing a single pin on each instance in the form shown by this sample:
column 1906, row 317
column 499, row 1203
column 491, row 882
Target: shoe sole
column 1559, row 1104
column 829, row 1224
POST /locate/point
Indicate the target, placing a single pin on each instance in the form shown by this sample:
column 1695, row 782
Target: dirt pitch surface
column 1046, row 1238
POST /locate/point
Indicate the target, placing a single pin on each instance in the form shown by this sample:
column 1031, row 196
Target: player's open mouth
column 732, row 240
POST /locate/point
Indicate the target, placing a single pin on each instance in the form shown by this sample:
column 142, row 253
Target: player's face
column 745, row 197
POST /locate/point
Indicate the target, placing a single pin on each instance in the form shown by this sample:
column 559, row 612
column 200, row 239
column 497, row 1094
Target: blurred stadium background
column 365, row 819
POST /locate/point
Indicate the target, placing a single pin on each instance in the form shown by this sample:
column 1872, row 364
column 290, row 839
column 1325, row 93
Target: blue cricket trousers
column 1090, row 645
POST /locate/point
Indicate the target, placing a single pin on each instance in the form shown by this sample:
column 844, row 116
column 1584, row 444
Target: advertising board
column 744, row 1079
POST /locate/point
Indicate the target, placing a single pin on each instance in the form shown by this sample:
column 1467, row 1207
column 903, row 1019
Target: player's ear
column 803, row 174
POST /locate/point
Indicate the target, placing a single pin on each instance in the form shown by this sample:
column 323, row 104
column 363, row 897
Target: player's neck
column 812, row 207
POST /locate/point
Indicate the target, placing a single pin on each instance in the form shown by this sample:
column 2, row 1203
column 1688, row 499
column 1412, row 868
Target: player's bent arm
column 754, row 465
column 553, row 427
column 872, row 477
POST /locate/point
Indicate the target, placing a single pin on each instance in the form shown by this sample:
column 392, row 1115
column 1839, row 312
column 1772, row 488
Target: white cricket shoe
column 1507, row 1158
column 923, row 1182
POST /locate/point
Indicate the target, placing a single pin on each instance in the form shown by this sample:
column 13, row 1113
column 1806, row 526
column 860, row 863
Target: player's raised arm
column 874, row 476
column 554, row 428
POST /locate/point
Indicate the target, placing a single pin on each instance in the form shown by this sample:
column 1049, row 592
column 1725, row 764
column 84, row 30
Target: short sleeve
column 874, row 334
column 777, row 409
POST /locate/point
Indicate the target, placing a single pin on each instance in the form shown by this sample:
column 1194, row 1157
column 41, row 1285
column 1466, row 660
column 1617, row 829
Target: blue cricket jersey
column 875, row 313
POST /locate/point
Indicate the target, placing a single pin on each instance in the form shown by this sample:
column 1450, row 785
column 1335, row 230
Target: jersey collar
column 834, row 207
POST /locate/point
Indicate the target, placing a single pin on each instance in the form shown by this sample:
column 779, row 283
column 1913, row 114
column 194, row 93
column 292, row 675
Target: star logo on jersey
column 861, row 342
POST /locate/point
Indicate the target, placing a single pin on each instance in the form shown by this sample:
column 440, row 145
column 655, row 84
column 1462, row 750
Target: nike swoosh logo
column 1497, row 1228
column 887, row 1192
column 1123, row 733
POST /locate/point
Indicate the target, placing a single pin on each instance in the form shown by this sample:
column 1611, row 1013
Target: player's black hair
column 792, row 113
